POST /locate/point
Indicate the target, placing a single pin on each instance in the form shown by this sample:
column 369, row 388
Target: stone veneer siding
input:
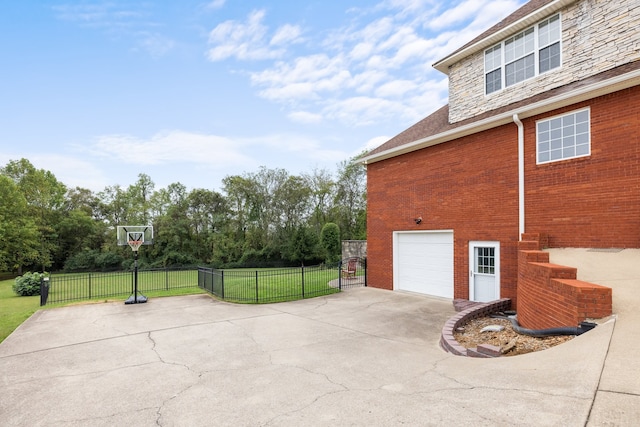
column 354, row 248
column 596, row 36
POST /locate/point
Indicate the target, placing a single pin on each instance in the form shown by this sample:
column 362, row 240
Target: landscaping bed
column 469, row 335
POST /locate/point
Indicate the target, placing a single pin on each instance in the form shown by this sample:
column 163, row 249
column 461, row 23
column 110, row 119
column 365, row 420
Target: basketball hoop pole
column 134, row 298
column 135, row 276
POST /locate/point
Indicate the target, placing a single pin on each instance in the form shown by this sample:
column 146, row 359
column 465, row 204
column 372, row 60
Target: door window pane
column 485, row 260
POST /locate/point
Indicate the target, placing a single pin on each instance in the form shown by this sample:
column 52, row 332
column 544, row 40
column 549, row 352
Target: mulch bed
column 469, row 335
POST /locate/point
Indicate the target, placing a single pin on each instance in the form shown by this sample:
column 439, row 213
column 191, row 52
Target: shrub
column 28, row 284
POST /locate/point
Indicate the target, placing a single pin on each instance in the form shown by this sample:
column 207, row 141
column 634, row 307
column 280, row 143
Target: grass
column 14, row 309
column 268, row 285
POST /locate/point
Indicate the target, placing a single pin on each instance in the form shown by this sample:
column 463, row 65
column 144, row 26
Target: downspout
column 517, row 121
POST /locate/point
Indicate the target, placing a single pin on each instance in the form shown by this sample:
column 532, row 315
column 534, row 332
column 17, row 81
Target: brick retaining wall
column 447, row 340
column 549, row 295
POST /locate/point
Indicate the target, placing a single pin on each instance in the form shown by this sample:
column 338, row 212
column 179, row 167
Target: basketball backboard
column 137, row 233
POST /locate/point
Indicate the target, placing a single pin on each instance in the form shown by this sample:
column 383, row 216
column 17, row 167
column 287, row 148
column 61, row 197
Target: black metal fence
column 239, row 285
column 84, row 286
column 285, row 284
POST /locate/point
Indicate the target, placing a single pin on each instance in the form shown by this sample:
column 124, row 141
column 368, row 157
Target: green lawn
column 14, row 309
column 268, row 285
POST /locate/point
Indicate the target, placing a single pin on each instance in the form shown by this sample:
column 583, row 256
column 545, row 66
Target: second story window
column 533, row 51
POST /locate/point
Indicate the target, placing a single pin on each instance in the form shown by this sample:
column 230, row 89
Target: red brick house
column 541, row 135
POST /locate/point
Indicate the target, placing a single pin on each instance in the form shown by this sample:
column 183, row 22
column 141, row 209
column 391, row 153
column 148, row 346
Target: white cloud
column 305, row 117
column 364, row 110
column 249, row 40
column 458, row 14
column 303, row 79
column 96, row 15
column 132, row 22
column 299, row 145
column 193, row 151
column 169, row 147
column 156, row 44
column 376, row 68
column 286, row 34
column 216, row 4
column 376, row 142
column 396, row 88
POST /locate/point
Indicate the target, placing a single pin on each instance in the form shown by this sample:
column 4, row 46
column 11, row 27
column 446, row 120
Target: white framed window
column 564, row 137
column 529, row 53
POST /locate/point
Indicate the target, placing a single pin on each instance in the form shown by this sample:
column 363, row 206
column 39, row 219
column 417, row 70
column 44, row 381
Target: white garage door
column 424, row 263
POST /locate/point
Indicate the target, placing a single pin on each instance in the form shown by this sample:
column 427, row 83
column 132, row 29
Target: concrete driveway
column 360, row 357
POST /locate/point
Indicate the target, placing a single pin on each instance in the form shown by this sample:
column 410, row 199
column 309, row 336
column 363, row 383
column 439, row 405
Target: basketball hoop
column 135, row 239
column 135, row 244
column 135, row 236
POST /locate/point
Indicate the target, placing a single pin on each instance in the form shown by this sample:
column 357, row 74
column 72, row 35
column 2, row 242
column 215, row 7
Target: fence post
column 303, row 281
column 89, row 285
column 166, row 278
column 221, row 280
column 44, row 290
column 364, row 262
column 257, row 298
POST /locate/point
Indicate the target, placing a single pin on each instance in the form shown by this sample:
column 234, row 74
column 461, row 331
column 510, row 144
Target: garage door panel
column 425, row 263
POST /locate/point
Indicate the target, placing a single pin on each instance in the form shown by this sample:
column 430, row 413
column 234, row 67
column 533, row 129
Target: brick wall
column 549, row 295
column 590, row 201
column 470, row 185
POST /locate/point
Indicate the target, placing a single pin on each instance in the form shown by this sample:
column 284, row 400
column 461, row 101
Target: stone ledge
column 447, row 340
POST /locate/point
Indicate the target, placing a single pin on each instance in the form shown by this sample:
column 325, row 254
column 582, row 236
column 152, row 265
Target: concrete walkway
column 361, row 357
column 617, row 400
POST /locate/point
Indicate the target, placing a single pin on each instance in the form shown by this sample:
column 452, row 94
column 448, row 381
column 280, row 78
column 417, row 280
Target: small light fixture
column 418, row 220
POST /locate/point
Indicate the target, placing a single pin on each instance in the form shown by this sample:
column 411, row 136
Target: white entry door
column 484, row 271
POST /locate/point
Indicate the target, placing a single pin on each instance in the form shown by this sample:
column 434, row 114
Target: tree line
column 259, row 219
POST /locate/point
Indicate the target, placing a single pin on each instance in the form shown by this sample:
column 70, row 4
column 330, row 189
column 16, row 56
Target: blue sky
column 192, row 91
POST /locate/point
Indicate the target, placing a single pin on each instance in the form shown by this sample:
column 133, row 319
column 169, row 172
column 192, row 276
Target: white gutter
column 520, row 175
column 584, row 93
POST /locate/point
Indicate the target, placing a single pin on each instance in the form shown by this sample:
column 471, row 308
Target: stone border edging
column 447, row 340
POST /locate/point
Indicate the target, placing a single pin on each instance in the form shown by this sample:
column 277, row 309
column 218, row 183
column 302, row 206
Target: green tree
column 173, row 240
column 82, row 199
column 140, row 195
column 18, row 232
column 304, row 247
column 330, row 239
column 208, row 215
column 321, row 186
column 350, row 200
column 78, row 232
column 115, row 206
column 45, row 197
